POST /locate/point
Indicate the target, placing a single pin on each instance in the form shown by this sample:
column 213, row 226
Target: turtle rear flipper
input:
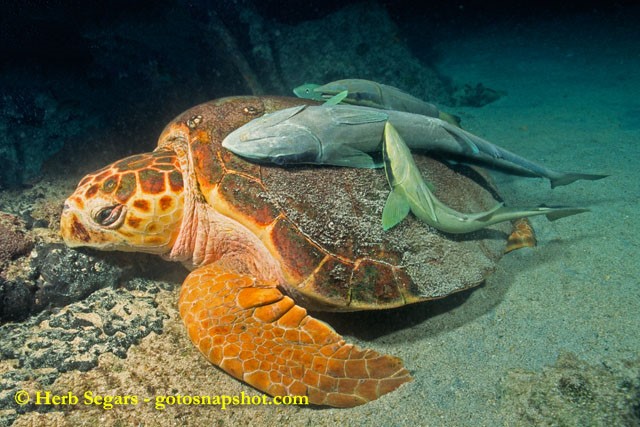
column 255, row 333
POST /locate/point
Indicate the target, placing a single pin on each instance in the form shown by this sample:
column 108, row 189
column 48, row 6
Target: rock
column 68, row 275
column 53, row 342
column 54, row 276
column 16, row 300
column 14, row 240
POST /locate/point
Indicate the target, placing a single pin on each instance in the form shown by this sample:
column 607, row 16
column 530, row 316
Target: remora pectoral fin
column 336, row 99
column 352, row 158
column 461, row 138
column 395, row 210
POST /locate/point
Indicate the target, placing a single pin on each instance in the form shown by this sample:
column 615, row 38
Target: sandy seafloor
column 571, row 103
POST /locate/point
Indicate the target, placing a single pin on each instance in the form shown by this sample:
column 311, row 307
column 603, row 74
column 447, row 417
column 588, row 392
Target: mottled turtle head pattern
column 134, row 204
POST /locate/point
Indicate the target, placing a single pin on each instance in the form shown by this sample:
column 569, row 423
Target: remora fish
column 345, row 135
column 368, row 93
column 410, row 192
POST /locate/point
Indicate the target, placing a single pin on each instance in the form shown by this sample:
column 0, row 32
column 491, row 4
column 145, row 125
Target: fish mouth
column 253, row 157
column 236, row 147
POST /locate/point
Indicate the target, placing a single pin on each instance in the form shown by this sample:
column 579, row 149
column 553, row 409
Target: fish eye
column 108, row 215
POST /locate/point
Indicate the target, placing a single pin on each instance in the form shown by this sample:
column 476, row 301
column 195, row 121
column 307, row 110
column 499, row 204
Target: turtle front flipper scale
column 255, row 333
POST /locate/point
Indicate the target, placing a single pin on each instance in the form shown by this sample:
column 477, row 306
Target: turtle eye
column 253, row 111
column 108, row 215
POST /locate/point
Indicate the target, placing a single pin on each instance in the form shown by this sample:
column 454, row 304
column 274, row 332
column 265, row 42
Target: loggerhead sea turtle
column 262, row 239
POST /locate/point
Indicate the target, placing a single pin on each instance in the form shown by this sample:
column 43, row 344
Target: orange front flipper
column 260, row 336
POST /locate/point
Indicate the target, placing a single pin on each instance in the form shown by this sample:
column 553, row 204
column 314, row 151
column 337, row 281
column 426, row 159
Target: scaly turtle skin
column 258, row 237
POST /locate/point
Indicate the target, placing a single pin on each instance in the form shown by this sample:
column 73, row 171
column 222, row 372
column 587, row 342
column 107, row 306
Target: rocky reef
column 83, row 71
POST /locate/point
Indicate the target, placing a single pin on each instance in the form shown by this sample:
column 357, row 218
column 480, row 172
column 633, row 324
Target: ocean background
column 552, row 336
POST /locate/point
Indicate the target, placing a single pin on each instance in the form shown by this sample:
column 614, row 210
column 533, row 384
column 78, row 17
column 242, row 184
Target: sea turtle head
column 134, row 204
